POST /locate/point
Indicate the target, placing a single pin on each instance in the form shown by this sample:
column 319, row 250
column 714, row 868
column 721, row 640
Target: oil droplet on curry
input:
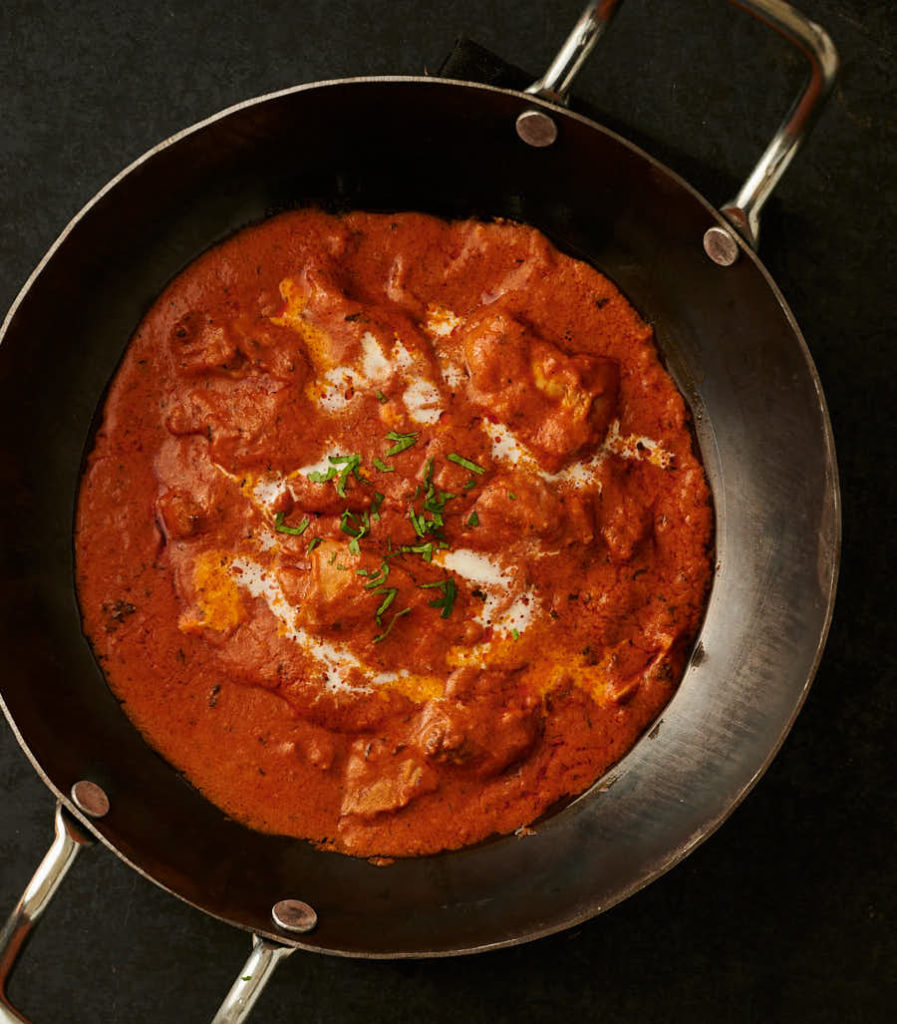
column 393, row 534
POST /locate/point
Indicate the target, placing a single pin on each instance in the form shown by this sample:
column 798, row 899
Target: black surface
column 788, row 912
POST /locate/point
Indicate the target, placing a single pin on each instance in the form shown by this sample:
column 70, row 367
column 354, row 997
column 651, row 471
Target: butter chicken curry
column 393, row 534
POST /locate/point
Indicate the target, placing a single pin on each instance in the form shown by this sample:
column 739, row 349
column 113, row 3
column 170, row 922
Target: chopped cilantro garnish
column 392, row 622
column 512, row 495
column 470, row 483
column 434, row 501
column 381, row 465
column 447, row 601
column 466, row 463
column 294, row 531
column 333, row 558
column 474, row 519
column 390, row 593
column 378, row 578
column 424, row 550
column 375, row 505
column 403, row 441
column 418, row 522
column 350, row 464
column 356, row 527
column 382, row 397
column 515, row 633
column 313, row 543
column 400, row 446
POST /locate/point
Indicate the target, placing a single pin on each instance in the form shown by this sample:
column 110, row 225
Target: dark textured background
column 789, row 912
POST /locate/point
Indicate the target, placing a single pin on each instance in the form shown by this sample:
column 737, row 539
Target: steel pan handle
column 70, row 838
column 743, row 212
column 256, row 973
column 68, row 842
column 557, row 81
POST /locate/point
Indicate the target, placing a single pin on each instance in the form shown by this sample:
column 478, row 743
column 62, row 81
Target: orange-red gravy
column 393, row 534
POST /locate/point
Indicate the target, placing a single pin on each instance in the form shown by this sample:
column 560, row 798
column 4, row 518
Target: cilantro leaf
column 466, row 463
column 294, row 531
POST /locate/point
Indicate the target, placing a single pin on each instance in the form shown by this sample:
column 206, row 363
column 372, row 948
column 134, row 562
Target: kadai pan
column 728, row 338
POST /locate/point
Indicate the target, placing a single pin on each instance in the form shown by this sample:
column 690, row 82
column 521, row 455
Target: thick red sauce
column 393, row 534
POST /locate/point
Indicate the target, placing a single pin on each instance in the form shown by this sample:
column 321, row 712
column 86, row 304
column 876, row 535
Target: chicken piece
column 183, row 472
column 482, row 724
column 271, row 350
column 558, row 405
column 179, row 515
column 322, row 498
column 244, row 420
column 318, row 309
column 377, row 780
column 624, row 512
column 496, row 349
column 513, row 508
column 582, row 390
column 199, row 344
column 327, row 589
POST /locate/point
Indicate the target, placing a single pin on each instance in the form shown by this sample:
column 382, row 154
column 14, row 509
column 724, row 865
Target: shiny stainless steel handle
column 557, row 81
column 70, row 838
column 743, row 213
column 537, row 128
column 257, row 970
column 291, row 915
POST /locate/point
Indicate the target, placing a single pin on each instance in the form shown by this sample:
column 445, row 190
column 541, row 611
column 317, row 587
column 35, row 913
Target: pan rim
column 833, row 489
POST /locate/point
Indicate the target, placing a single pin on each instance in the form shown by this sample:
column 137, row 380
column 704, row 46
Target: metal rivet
column 536, row 128
column 294, row 916
column 90, row 798
column 720, row 246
